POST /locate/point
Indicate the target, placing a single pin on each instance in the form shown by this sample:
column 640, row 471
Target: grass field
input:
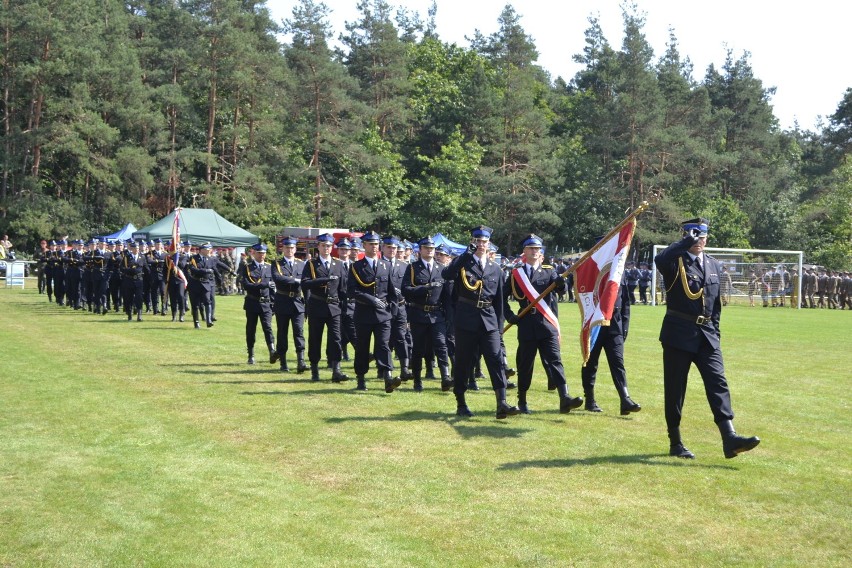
column 130, row 444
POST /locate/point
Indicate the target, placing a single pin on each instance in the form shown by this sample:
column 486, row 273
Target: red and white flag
column 596, row 282
column 522, row 281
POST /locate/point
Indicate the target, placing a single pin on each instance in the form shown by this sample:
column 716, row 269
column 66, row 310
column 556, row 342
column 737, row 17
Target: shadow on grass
column 645, row 459
column 465, row 427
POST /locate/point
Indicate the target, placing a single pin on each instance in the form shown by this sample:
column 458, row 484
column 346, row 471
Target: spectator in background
column 631, row 274
column 644, row 282
column 6, row 248
column 727, row 284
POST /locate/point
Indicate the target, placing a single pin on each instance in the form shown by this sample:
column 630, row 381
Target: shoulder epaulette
column 547, row 266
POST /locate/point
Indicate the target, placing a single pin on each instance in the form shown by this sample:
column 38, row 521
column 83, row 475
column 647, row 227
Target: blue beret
column 289, row 241
column 481, row 232
column 426, row 242
column 390, row 240
column 371, row 237
column 698, row 223
column 325, row 238
column 532, row 240
column 343, row 244
column 259, row 247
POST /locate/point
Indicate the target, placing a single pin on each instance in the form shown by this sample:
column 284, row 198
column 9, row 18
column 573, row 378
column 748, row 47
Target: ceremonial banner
column 596, row 282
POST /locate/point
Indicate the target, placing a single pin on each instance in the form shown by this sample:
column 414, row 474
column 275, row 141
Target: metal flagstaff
column 571, row 269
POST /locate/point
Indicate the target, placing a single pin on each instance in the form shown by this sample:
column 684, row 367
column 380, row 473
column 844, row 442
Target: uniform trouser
column 469, row 345
column 177, row 297
column 643, row 294
column 88, row 289
column 158, row 294
column 201, row 299
column 146, row 293
column 708, row 360
column 265, row 317
column 810, row 298
column 613, row 345
column 380, row 334
column 73, row 287
column 347, row 329
column 131, row 295
column 548, row 349
column 631, row 288
column 115, row 291
column 59, row 286
column 398, row 332
column 283, row 323
column 428, row 339
column 48, row 283
column 316, row 327
column 821, row 299
column 99, row 291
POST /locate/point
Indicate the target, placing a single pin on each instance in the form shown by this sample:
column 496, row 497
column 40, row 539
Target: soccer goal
column 750, row 277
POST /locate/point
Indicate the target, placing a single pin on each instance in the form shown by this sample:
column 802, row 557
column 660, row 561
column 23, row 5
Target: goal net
column 750, row 277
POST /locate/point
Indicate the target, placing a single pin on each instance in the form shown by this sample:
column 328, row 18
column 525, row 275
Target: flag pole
column 571, row 269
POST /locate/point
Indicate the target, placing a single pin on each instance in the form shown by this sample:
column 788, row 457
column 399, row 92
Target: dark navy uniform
column 176, row 281
column 157, row 278
column 428, row 296
column 202, row 284
column 74, row 264
column 369, row 284
column 58, row 272
column 289, row 307
column 132, row 274
column 537, row 335
column 115, row 276
column 690, row 334
column 478, row 320
column 99, row 262
column 611, row 340
column 256, row 277
column 324, row 284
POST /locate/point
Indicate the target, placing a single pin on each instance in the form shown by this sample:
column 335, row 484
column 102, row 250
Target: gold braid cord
column 248, row 274
column 472, row 287
column 515, row 293
column 689, row 294
column 358, row 278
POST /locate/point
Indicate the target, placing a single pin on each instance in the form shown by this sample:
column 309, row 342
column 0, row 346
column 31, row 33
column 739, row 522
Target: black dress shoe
column 138, row 318
column 362, row 384
column 250, row 360
column 524, row 408
column 510, row 385
column 180, row 319
column 592, row 405
column 505, row 410
column 679, row 451
column 209, row 324
column 464, row 411
column 446, row 385
column 734, row 445
column 418, row 385
column 472, row 386
column 628, row 406
column 510, row 372
column 568, row 404
column 391, row 384
column 197, row 325
column 273, row 357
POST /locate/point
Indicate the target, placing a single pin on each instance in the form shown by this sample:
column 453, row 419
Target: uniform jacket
column 691, row 292
column 201, row 272
column 533, row 325
column 133, row 269
column 397, row 273
column 256, row 280
column 479, row 293
column 288, row 292
column 366, row 285
column 427, row 303
column 157, row 265
column 325, row 297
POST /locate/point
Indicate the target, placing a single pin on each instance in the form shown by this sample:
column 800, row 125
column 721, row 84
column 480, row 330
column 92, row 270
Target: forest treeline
column 117, row 112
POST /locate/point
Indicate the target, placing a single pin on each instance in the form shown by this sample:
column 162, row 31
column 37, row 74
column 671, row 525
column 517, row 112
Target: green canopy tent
column 199, row 226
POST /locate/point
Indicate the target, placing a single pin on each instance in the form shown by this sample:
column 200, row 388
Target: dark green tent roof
column 199, row 226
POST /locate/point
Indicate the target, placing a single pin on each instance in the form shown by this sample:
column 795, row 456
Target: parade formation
column 404, row 313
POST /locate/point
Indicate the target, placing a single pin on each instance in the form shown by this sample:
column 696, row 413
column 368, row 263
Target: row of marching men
column 101, row 277
column 436, row 305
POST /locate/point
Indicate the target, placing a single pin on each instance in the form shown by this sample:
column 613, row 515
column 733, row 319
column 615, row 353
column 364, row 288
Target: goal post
column 764, row 275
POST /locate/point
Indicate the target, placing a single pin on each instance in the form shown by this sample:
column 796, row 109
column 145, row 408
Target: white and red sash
column 519, row 275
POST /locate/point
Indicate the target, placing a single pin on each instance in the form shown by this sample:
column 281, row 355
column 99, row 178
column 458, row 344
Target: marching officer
column 392, row 250
column 370, row 284
column 347, row 324
column 257, row 282
column 478, row 320
column 538, row 330
column 611, row 340
column 289, row 305
column 690, row 334
column 100, row 267
column 59, row 272
column 202, row 283
column 74, row 264
column 132, row 273
column 116, row 258
column 324, row 284
column 157, row 277
column 176, row 280
column 427, row 295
